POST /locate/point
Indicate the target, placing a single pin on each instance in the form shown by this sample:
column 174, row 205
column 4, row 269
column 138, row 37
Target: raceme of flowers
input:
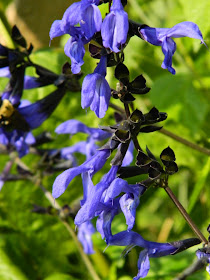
column 114, row 30
column 112, row 195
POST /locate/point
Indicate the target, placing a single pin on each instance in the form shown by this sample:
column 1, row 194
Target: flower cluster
column 112, row 195
column 109, row 147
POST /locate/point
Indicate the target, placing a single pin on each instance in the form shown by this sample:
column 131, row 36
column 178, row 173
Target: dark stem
column 185, row 215
column 185, row 142
column 197, row 265
column 172, row 135
column 127, row 110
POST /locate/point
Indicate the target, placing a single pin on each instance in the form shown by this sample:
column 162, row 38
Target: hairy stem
column 185, row 215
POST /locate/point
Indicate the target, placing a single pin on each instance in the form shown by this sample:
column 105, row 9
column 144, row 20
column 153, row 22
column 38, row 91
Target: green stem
column 185, row 215
column 172, row 135
column 5, row 31
column 185, row 142
column 84, row 257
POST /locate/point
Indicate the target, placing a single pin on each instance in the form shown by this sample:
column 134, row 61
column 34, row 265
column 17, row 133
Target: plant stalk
column 185, row 215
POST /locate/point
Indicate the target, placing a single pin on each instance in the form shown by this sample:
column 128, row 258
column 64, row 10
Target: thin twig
column 172, row 135
column 185, row 142
column 85, row 259
column 185, row 215
column 195, row 266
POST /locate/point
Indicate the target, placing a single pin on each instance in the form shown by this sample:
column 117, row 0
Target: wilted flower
column 163, row 37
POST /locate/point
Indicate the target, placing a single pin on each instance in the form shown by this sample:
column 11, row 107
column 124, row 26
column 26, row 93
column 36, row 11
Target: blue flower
column 163, row 37
column 152, row 249
column 96, row 92
column 128, row 202
column 75, row 126
column 88, row 15
column 92, row 205
column 202, row 253
column 85, row 232
column 87, row 147
column 17, row 122
column 92, row 165
column 114, row 28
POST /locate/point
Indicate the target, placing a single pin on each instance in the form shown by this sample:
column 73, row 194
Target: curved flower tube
column 163, row 37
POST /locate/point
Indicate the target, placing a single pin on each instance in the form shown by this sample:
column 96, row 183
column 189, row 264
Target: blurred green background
column 38, row 246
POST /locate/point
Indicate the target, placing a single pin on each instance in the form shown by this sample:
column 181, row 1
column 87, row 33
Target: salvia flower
column 205, row 254
column 92, row 165
column 85, row 232
column 163, row 37
column 92, row 205
column 87, row 147
column 152, row 249
column 88, row 15
column 114, row 28
column 96, row 92
column 129, row 201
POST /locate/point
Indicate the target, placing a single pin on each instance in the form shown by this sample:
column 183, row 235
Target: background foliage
column 36, row 246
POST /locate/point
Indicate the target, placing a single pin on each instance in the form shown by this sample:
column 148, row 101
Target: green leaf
column 8, row 271
column 60, row 276
column 169, row 92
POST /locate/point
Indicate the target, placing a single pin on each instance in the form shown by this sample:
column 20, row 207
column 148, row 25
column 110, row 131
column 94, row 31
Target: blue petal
column 129, row 155
column 74, row 126
column 74, row 48
column 92, row 165
column 127, row 238
column 85, row 232
column 114, row 30
column 143, row 265
column 72, row 15
column 56, row 29
column 93, row 204
column 128, row 204
column 91, row 21
column 30, row 82
column 101, row 98
column 88, row 89
column 104, row 220
column 162, row 37
column 4, row 72
column 168, row 49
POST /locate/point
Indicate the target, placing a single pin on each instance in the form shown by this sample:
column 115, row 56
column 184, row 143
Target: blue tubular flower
column 87, row 147
column 85, row 232
column 129, row 155
column 91, row 18
column 74, row 49
column 91, row 165
column 202, row 253
column 96, row 92
column 129, row 201
column 92, row 204
column 162, row 37
column 36, row 113
column 114, row 28
column 75, row 126
column 88, row 15
column 152, row 249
